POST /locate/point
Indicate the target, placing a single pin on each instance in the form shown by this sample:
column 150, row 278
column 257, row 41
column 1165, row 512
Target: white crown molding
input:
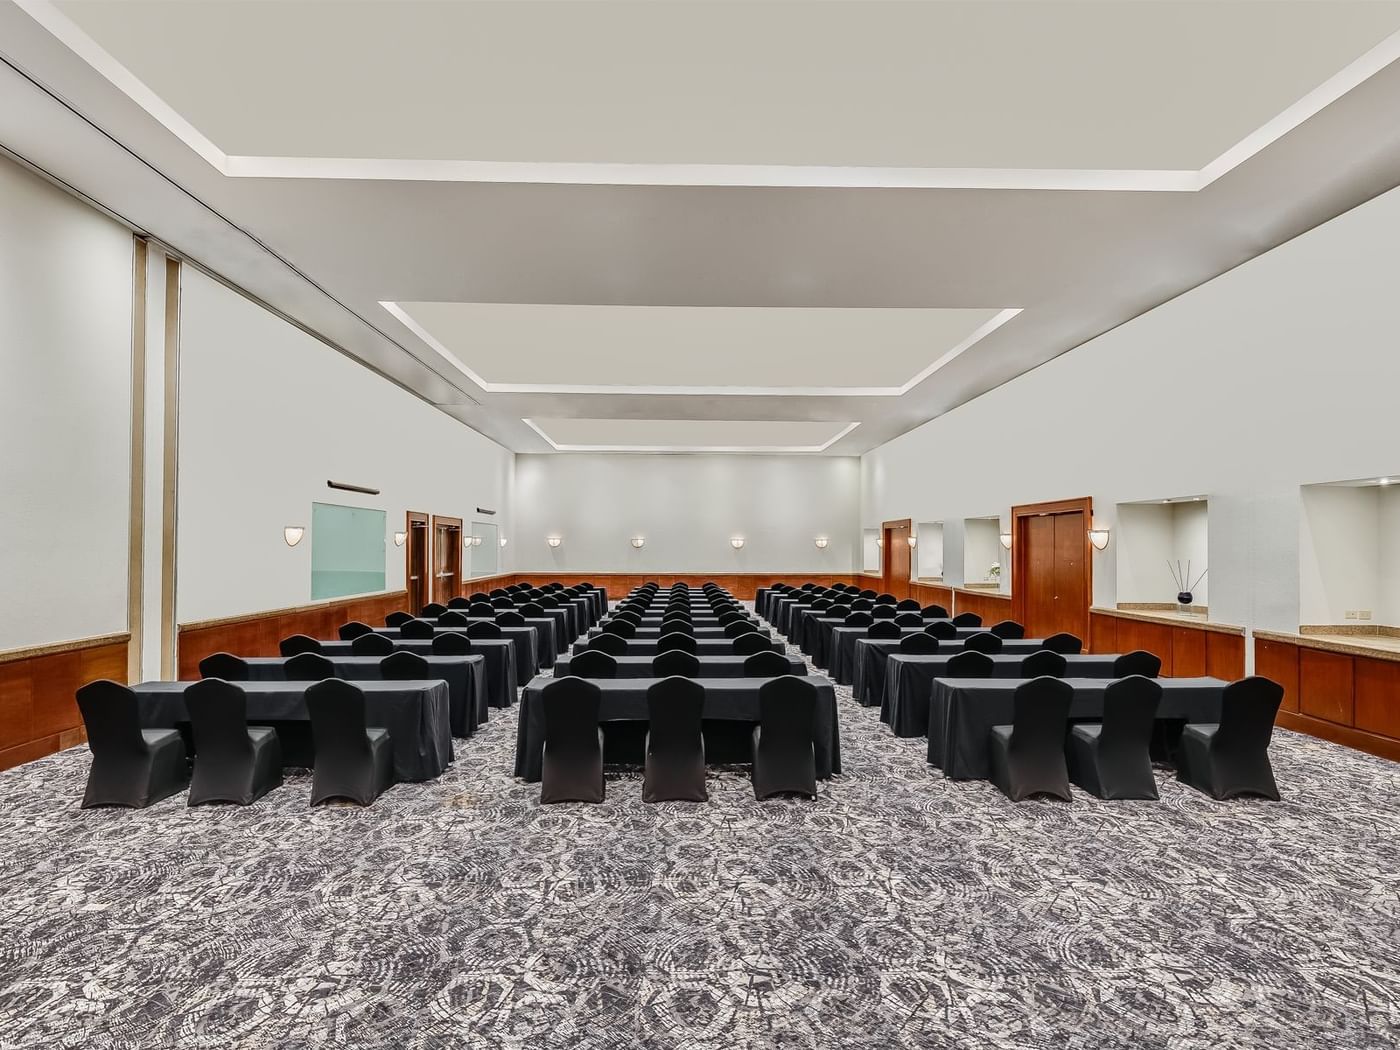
column 765, row 175
column 981, row 332
column 775, row 449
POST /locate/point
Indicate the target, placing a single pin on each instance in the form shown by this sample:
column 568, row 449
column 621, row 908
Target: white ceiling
column 638, row 216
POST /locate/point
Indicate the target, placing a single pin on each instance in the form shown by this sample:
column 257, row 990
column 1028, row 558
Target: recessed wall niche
column 1349, row 558
column 1163, row 559
column 929, row 552
column 986, row 566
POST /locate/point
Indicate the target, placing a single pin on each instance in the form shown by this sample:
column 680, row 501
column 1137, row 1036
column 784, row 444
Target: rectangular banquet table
column 962, row 712
column 710, row 666
column 871, row 654
column 707, row 646
column 625, row 700
column 909, row 681
column 701, row 631
column 416, row 714
column 819, row 635
column 571, row 616
column 502, row 681
column 546, row 633
column 526, row 651
column 465, row 677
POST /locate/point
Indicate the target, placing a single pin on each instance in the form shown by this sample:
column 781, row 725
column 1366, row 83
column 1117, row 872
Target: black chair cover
column 675, row 747
column 353, row 760
column 131, row 766
column 233, row 761
column 1028, row 756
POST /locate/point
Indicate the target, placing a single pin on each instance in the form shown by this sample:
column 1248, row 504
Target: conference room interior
column 759, row 524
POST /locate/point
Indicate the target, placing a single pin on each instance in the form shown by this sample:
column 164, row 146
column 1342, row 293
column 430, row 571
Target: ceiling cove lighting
column 292, row 534
column 821, row 542
column 1005, row 538
column 737, row 542
column 399, row 538
column 554, row 541
column 1099, row 538
column 639, row 542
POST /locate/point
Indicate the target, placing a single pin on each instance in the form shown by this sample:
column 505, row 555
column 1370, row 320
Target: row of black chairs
column 449, row 643
column 594, row 663
column 449, row 622
column 234, row 761
column 1040, row 753
column 396, row 666
column 783, row 742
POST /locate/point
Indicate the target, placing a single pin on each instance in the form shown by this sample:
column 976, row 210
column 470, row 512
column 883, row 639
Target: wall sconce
column 879, row 541
column 1099, row 538
column 399, row 538
column 913, row 542
column 639, row 542
column 737, row 542
column 504, row 541
column 1005, row 538
column 554, row 541
column 293, row 534
column 821, row 542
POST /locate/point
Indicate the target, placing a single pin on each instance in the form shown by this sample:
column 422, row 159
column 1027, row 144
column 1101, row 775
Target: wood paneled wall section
column 1348, row 699
column 932, row 594
column 1186, row 650
column 993, row 608
column 38, row 704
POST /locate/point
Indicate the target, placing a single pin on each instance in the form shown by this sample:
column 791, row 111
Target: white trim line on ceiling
column 769, row 175
column 981, row 332
column 690, row 448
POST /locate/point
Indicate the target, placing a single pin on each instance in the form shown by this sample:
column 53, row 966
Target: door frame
column 412, row 518
column 887, row 530
column 1020, row 519
column 456, row 588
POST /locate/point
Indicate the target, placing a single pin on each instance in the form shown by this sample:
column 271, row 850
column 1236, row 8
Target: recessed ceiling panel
column 689, row 435
column 1094, row 84
column 508, row 346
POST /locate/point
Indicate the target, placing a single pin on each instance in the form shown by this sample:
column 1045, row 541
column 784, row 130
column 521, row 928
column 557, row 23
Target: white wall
column 930, row 550
column 65, row 414
column 687, row 508
column 981, row 549
column 1288, row 366
column 267, row 415
column 1339, row 553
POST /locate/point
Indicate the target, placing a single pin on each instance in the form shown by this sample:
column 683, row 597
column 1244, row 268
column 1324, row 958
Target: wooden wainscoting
column 991, row 606
column 1187, row 650
column 38, row 687
column 1343, row 693
column 932, row 594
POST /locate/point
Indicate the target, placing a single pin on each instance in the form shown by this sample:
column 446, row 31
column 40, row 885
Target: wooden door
column 447, row 558
column 416, row 561
column 1052, row 581
column 895, row 560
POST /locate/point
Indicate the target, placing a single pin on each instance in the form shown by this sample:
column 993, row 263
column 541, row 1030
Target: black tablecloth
column 416, row 714
column 465, row 677
column 711, row 646
column 547, row 633
column 502, row 680
column 710, row 666
column 871, row 654
column 909, row 681
column 625, row 700
column 701, row 631
column 525, row 652
column 962, row 712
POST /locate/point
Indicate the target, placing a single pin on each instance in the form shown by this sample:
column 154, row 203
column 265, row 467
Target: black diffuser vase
column 1184, row 598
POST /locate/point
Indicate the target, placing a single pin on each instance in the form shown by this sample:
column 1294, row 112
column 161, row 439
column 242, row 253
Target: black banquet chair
column 370, row 645
column 483, row 629
column 476, row 610
column 1139, row 662
column 675, row 640
column 452, row 618
column 131, row 766
column 748, row 644
column 451, row 643
column 983, row 642
column 676, row 664
column 459, row 602
column 1043, row 664
column 1232, row 758
column 675, row 747
column 934, row 612
column 884, row 629
column 907, row 605
column 1064, row 643
column 433, row 610
column 573, row 742
column 1112, row 759
column 969, row 664
column 620, row 627
column 733, row 630
column 224, row 665
column 233, row 761
column 941, row 629
column 419, row 629
column 405, row 666
column 397, row 619
column 909, row 619
column 884, row 612
column 593, row 663
column 297, row 644
column 352, row 630
column 1028, row 756
column 1008, row 629
column 353, row 759
column 767, row 664
column 309, row 667
column 784, row 742
column 918, row 643
column 510, row 618
column 967, row 620
column 673, row 624
column 858, row 619
column 612, row 644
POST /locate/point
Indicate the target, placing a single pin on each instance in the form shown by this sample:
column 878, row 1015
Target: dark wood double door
column 1052, row 571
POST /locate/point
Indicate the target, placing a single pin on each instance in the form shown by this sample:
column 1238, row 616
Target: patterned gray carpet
column 899, row 910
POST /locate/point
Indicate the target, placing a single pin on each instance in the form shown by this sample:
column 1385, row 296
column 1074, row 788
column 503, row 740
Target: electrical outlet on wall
column 1364, row 614
column 1351, row 614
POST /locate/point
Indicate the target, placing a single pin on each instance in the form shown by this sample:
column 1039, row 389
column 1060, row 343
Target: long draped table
column 710, row 666
column 708, row 646
column 962, row 712
column 909, row 682
column 416, row 714
column 525, row 649
column 502, row 681
column 625, row 700
column 872, row 655
column 701, row 631
column 465, row 677
column 547, row 639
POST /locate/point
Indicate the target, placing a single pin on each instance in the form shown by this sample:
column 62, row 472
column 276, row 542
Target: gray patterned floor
column 898, row 910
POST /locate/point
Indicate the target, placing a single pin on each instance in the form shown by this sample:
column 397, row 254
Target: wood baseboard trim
column 1371, row 743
